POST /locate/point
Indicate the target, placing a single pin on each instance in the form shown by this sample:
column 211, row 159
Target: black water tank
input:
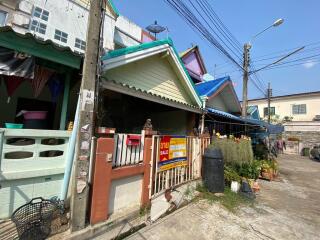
column 213, row 170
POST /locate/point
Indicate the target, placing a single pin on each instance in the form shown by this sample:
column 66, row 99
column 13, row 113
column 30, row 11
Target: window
column 61, row 36
column 41, row 13
column 80, row 44
column 39, row 21
column 272, row 111
column 299, row 109
column 38, row 27
column 3, row 18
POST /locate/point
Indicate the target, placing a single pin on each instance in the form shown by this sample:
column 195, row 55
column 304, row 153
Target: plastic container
column 213, row 170
column 35, row 115
column 14, row 125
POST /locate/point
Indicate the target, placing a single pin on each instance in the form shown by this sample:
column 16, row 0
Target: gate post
column 102, row 180
column 147, row 158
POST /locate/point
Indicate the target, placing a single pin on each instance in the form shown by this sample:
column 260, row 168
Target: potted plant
column 266, row 170
column 274, row 167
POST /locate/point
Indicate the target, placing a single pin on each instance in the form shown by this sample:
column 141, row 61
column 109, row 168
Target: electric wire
column 186, row 14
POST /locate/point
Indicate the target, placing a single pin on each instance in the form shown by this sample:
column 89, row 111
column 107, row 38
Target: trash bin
column 33, row 220
column 213, row 170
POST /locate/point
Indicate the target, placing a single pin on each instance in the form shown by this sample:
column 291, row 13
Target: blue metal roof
column 272, row 129
column 209, row 87
column 224, row 114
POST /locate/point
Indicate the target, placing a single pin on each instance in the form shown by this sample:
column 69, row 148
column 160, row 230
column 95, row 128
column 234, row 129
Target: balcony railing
column 31, row 153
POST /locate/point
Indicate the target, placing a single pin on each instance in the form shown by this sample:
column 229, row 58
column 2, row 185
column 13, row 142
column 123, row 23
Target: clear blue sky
column 244, row 18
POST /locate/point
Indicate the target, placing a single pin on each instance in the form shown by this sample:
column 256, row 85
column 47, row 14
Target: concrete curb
column 111, row 228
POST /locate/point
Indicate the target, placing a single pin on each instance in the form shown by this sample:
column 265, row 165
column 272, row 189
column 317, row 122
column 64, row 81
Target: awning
column 31, row 45
column 224, row 114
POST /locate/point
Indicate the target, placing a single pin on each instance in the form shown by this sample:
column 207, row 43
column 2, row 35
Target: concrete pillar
column 102, row 180
column 147, row 158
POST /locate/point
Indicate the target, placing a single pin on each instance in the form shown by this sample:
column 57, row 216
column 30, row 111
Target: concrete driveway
column 288, row 208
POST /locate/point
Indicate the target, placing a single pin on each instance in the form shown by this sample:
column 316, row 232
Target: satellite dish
column 155, row 28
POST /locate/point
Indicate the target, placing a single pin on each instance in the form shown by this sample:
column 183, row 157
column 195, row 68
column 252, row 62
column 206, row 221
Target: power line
column 183, row 10
column 288, row 50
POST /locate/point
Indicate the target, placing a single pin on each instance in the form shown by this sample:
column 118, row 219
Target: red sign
column 164, row 148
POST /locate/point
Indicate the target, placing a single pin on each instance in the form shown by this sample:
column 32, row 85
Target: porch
column 45, row 78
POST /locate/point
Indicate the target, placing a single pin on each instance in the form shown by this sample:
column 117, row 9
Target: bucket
column 235, row 186
column 13, row 125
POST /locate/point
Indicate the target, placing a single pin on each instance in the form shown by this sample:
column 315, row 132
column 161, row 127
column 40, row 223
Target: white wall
column 15, row 193
column 71, row 17
column 217, row 103
column 125, row 193
column 283, row 106
column 302, row 127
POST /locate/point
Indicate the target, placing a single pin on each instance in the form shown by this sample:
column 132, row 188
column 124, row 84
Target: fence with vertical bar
column 127, row 153
column 162, row 180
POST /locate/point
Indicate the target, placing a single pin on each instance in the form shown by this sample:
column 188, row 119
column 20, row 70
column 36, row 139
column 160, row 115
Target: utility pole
column 246, row 57
column 269, row 94
column 80, row 186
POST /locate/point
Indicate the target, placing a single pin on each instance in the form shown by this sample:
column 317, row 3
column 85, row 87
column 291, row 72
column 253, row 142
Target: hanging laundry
column 55, row 85
column 12, row 83
column 41, row 77
column 13, row 63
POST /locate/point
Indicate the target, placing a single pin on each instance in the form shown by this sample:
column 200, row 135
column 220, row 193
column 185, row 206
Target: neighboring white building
column 303, row 111
column 299, row 107
column 65, row 23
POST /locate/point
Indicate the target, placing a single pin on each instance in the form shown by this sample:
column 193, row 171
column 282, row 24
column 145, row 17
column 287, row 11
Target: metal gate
column 165, row 179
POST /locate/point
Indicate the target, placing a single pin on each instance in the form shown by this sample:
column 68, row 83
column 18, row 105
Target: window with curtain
column 272, row 111
column 299, row 109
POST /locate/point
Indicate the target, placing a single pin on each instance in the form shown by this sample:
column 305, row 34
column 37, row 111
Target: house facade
column 295, row 107
column 33, row 159
column 298, row 113
column 65, row 23
column 141, row 79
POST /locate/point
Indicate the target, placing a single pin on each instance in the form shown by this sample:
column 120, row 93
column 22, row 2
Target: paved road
column 286, row 209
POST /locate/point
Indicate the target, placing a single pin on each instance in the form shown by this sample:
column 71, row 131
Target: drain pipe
column 1, row 144
column 70, row 155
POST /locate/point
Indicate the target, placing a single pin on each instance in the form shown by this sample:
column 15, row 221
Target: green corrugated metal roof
column 136, row 48
column 48, row 50
column 114, row 7
column 144, row 46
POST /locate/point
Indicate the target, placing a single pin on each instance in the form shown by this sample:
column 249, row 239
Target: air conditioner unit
column 316, row 118
column 25, row 7
column 21, row 20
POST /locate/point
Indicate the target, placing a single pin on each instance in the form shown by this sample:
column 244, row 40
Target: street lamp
column 246, row 50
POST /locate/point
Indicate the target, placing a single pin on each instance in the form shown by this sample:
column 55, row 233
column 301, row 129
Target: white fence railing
column 29, row 150
column 128, row 149
column 162, row 180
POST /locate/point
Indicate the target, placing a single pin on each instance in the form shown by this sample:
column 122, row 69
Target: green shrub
column 234, row 152
column 230, row 175
column 248, row 170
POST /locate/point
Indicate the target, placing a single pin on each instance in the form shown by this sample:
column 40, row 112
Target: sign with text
column 173, row 152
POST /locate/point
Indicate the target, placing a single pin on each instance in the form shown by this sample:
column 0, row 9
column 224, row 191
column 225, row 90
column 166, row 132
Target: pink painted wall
column 146, row 37
column 192, row 63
